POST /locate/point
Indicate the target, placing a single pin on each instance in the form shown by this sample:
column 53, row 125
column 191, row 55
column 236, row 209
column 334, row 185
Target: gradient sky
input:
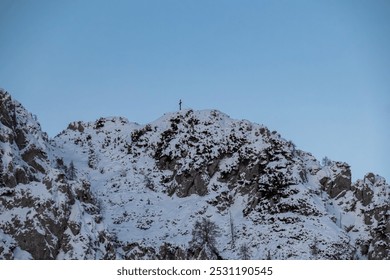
column 318, row 72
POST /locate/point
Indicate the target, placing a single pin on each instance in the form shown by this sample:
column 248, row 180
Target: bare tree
column 232, row 233
column 204, row 233
column 340, row 220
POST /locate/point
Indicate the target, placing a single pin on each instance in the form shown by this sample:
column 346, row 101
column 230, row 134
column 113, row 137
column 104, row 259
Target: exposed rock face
column 371, row 195
column 39, row 207
column 112, row 189
column 337, row 180
column 24, row 145
column 76, row 126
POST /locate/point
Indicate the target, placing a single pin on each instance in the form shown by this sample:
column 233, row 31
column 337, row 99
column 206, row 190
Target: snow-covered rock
column 120, row 190
column 43, row 214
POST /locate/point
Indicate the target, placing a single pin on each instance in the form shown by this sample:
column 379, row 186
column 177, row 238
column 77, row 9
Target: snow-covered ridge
column 116, row 189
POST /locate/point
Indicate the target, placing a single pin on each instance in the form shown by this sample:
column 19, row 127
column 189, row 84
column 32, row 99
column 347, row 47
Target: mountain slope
column 190, row 185
column 43, row 215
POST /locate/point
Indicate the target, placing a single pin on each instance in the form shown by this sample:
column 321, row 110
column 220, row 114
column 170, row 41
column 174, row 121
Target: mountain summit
column 190, row 185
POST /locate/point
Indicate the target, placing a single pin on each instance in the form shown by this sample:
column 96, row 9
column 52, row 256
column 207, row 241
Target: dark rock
column 32, row 156
column 21, row 176
column 76, row 126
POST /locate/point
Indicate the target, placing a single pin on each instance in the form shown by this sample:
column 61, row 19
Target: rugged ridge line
column 112, row 189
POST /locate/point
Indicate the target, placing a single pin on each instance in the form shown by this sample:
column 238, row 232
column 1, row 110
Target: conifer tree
column 244, row 252
column 71, row 171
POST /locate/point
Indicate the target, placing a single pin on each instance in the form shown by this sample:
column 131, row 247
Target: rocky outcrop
column 38, row 204
column 23, row 145
column 189, row 149
column 368, row 200
column 337, row 179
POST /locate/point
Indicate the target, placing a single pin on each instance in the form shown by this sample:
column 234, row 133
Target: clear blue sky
column 318, row 72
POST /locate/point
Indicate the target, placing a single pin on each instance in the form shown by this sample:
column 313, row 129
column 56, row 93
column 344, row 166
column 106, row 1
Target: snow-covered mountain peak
column 23, row 144
column 116, row 189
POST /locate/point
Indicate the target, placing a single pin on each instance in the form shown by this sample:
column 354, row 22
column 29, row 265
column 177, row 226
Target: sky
column 318, row 72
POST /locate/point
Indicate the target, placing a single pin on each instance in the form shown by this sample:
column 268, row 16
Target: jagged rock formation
column 118, row 190
column 43, row 214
